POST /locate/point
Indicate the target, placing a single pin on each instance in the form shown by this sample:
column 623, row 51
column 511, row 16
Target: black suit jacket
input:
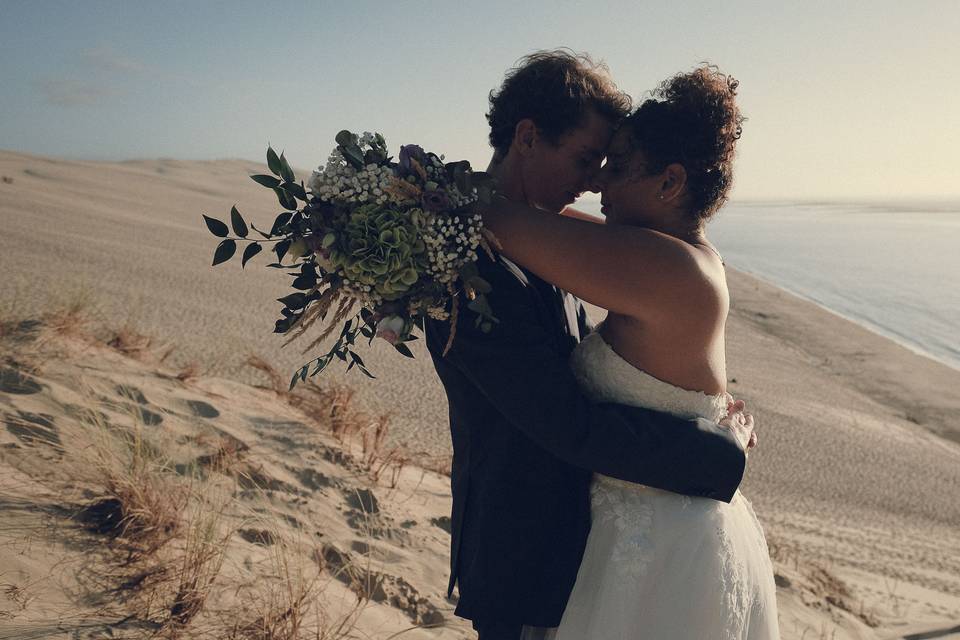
column 526, row 441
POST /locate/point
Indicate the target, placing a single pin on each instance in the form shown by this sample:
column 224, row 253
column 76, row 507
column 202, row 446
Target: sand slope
column 858, row 467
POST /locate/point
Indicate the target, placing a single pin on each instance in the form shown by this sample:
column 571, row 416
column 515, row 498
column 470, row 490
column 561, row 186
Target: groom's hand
column 741, row 423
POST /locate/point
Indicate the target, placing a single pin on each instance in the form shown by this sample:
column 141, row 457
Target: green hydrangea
column 382, row 248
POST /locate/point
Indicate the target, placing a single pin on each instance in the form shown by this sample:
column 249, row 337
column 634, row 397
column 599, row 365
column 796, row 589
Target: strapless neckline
column 607, row 376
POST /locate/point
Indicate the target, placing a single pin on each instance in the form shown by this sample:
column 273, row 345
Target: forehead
column 620, row 144
column 592, row 136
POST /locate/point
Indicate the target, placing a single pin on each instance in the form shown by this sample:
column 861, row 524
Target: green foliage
column 216, row 227
column 273, row 162
column 251, row 250
column 224, row 251
column 285, row 171
column 239, row 226
column 379, row 246
column 286, row 200
column 268, row 181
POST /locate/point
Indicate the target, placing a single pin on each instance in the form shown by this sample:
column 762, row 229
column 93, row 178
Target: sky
column 844, row 99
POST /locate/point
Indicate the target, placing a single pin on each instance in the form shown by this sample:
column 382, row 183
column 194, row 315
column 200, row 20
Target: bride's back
column 684, row 345
column 668, row 170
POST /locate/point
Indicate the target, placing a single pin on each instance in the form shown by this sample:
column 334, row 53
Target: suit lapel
column 570, row 314
column 562, row 306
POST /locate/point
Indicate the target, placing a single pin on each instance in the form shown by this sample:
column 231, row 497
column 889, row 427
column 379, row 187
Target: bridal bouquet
column 396, row 240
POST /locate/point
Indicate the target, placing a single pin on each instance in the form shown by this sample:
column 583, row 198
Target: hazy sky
column 844, row 99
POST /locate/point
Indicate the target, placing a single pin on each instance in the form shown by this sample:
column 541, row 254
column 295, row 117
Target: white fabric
column 659, row 565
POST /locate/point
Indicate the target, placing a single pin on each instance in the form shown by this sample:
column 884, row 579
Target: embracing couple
column 595, row 469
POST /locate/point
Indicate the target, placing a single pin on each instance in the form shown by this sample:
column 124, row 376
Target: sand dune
column 858, row 470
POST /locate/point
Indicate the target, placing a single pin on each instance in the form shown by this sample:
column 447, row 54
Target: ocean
column 892, row 268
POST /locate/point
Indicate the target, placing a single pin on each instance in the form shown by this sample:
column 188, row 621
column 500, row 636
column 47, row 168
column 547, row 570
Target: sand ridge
column 858, row 462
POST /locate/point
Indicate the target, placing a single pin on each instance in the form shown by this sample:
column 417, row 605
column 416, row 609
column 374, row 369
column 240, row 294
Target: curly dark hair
column 555, row 89
column 692, row 119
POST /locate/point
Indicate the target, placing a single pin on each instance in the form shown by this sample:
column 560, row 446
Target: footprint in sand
column 144, row 415
column 33, row 428
column 313, row 479
column 131, row 393
column 14, row 381
column 260, row 537
column 362, row 499
column 202, row 409
column 86, row 415
column 135, row 404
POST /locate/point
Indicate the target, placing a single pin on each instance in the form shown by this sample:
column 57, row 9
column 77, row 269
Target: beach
column 858, row 464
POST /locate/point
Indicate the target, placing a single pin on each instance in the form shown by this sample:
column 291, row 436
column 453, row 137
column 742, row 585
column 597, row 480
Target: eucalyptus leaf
column 304, row 282
column 281, row 248
column 321, row 364
column 285, row 171
column 403, row 349
column 252, row 249
column 239, row 226
column 224, row 251
column 216, row 227
column 286, row 200
column 345, row 137
column 356, row 358
column 268, row 181
column 265, row 235
column 280, row 221
column 353, row 155
column 294, row 300
column 273, row 161
column 294, row 189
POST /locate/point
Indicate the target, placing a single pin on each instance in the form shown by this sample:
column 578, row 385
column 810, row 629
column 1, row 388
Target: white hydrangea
column 451, row 243
column 339, row 180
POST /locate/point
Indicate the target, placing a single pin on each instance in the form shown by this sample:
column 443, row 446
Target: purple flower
column 434, row 200
column 408, row 152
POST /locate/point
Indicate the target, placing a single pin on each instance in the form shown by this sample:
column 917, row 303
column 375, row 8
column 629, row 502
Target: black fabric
column 526, row 441
column 497, row 630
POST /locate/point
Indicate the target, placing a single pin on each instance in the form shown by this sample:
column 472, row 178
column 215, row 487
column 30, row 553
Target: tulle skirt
column 659, row 566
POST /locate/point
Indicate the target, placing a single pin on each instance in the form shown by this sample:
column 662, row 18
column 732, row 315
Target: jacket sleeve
column 517, row 367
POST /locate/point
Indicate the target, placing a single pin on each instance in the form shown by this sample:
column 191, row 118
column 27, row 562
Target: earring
column 661, row 196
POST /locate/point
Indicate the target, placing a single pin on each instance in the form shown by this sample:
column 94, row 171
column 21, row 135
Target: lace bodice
column 606, row 376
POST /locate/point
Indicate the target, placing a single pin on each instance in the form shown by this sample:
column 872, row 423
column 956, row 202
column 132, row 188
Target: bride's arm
column 628, row 270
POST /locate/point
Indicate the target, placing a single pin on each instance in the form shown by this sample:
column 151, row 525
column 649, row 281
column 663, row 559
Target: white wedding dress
column 659, row 565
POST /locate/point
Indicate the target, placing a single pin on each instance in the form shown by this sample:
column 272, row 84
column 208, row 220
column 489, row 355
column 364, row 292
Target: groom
column 525, row 438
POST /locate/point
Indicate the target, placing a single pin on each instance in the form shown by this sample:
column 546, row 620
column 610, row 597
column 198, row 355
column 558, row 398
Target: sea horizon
column 852, row 258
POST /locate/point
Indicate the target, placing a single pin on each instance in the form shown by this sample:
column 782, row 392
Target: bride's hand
column 742, row 424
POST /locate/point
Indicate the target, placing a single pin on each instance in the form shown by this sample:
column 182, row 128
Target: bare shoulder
column 687, row 275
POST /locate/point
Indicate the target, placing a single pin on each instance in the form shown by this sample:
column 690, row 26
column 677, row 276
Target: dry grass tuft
column 815, row 583
column 131, row 342
column 197, row 570
column 226, row 456
column 334, row 407
column 189, row 372
column 139, row 499
column 280, row 608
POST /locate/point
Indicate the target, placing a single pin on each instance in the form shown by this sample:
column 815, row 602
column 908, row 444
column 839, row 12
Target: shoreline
column 873, row 328
column 858, row 466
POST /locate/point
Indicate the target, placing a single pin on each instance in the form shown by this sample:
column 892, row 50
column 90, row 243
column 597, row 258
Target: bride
column 657, row 565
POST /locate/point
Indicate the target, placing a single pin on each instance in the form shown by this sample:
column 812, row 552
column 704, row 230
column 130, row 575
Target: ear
column 673, row 182
column 525, row 136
